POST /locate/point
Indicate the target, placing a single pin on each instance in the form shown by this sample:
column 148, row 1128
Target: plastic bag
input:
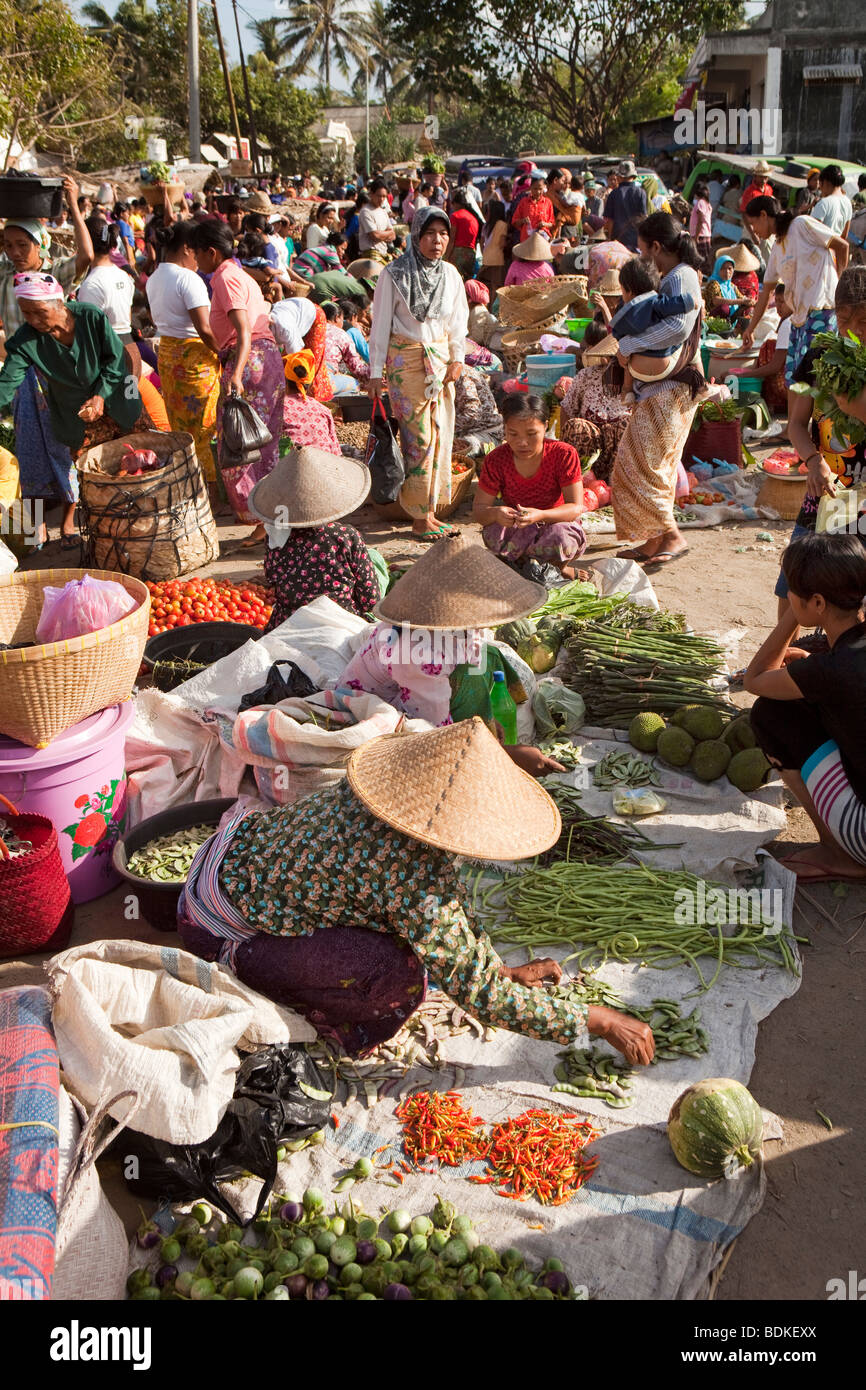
column 384, row 457
column 557, row 709
column 637, row 801
column 82, row 605
column 244, row 432
column 278, row 687
column 279, row 1095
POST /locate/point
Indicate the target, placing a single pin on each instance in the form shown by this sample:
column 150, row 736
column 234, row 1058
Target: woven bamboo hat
column 600, row 352
column 311, row 487
column 457, row 789
column 741, row 256
column 609, row 283
column 260, row 202
column 535, row 248
column 459, row 583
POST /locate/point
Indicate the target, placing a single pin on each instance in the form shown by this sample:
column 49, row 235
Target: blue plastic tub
column 543, row 369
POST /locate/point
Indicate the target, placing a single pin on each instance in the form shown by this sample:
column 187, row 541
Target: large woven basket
column 461, row 487
column 156, row 526
column 46, row 689
column 517, row 342
column 783, row 495
column 525, row 306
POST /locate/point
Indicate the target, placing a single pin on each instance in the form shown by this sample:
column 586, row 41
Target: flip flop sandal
column 71, row 541
column 665, row 557
column 637, row 555
column 430, row 537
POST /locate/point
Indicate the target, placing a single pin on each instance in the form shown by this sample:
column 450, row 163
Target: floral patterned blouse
column 588, row 399
column 328, row 862
column 316, row 560
column 309, row 422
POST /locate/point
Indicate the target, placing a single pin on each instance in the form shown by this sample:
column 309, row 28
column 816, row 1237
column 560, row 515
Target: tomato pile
column 182, row 602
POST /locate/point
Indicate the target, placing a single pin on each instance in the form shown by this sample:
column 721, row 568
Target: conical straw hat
column 312, row 487
column 535, row 248
column 601, row 351
column 460, row 583
column 457, row 789
column 743, row 258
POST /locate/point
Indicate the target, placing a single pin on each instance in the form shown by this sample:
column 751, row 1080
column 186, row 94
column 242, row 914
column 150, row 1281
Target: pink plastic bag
column 82, row 605
column 682, row 488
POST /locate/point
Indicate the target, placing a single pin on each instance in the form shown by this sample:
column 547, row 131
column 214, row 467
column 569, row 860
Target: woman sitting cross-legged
column 530, row 496
column 809, row 719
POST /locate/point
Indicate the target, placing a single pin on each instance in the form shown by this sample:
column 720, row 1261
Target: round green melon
column 715, row 1128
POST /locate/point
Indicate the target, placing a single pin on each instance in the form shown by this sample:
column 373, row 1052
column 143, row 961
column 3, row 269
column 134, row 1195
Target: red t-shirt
column 559, row 468
column 465, row 227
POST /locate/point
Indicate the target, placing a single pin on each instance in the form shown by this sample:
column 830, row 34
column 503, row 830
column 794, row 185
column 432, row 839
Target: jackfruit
column 739, row 734
column 681, row 713
column 747, row 769
column 702, row 722
column 644, row 730
column 710, row 759
column 675, row 746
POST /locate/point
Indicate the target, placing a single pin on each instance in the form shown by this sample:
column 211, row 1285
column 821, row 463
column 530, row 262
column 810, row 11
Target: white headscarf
column 291, row 321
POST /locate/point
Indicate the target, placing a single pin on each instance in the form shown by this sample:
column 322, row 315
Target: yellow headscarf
column 300, row 368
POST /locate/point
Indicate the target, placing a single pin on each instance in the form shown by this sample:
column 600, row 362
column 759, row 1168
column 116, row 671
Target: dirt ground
column 811, row 1054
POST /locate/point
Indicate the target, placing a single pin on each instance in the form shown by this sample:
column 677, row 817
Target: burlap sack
column 129, row 1016
column 91, row 1249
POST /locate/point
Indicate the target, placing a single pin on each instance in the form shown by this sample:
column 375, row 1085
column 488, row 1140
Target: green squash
column 715, row 1128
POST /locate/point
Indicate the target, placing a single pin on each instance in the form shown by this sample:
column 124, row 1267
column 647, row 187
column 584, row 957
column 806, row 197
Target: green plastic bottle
column 504, row 708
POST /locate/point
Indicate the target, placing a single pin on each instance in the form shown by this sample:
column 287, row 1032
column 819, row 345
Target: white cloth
column 282, row 250
column 835, row 211
column 111, row 290
column 172, row 291
column 291, row 321
column 315, row 235
column 370, row 221
column 391, row 317
column 801, row 261
column 783, row 337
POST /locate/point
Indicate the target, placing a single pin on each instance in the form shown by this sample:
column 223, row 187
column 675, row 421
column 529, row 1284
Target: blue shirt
column 626, row 207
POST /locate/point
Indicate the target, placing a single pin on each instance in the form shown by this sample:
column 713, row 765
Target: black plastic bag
column 384, row 457
column 269, row 1106
column 244, row 432
column 279, row 687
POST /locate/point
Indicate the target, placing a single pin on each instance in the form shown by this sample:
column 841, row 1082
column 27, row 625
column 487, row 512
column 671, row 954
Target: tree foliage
column 284, row 115
column 580, row 66
column 57, row 82
column 322, row 36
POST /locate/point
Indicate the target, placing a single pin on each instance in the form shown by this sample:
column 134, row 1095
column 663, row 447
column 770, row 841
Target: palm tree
column 390, row 60
column 322, row 34
column 124, row 33
column 271, row 45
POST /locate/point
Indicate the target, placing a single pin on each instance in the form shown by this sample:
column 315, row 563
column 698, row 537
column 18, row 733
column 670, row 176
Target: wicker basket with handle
column 36, row 900
column 46, row 689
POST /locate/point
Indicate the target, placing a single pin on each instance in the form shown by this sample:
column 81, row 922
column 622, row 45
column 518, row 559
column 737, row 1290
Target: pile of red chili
column 540, row 1154
column 537, row 1154
column 436, row 1125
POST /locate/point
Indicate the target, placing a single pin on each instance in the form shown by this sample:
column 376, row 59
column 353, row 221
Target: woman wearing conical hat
column 345, row 904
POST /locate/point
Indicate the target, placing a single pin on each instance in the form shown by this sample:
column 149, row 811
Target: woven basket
column 152, row 193
column 460, row 490
column 46, row 689
column 525, row 306
column 714, row 439
column 784, row 495
column 516, row 343
column 156, row 526
column 35, row 898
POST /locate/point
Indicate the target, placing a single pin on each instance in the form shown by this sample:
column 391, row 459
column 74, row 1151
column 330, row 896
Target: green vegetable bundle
column 839, row 371
column 622, row 914
column 621, row 673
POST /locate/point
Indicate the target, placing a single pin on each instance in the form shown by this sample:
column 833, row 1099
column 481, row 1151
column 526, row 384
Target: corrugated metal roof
column 833, row 72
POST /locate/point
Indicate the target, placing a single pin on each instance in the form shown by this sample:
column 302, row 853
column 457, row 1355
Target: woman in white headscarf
column 420, row 320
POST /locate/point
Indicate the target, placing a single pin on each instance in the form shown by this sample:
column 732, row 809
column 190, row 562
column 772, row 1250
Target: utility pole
column 367, row 105
column 229, row 92
column 254, row 149
column 194, row 95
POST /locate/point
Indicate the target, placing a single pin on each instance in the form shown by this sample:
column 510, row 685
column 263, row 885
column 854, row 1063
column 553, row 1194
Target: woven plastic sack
column 129, row 1016
column 92, row 1253
column 82, row 605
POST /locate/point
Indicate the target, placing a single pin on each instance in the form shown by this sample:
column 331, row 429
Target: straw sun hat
column 311, row 487
column 762, row 167
column 459, row 583
column 741, row 256
column 456, row 789
column 609, row 283
column 535, row 248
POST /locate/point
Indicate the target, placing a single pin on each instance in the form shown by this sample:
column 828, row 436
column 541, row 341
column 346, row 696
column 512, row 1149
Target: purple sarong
column 556, row 544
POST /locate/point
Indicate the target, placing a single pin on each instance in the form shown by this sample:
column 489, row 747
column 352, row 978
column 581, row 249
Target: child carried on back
column 643, row 307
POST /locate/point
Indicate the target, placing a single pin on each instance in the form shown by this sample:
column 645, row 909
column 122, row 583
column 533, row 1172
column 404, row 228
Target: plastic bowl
column 543, row 369
column 158, row 901
column 204, row 642
column 577, row 328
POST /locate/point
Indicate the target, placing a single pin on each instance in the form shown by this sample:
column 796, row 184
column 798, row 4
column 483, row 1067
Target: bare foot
column 822, row 862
